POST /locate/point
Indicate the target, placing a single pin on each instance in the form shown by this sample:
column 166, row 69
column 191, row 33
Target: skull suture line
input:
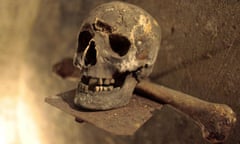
column 117, row 46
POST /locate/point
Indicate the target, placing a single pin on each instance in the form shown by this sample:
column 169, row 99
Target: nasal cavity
column 91, row 55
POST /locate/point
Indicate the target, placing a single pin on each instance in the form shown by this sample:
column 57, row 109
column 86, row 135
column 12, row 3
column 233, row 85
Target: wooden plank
column 122, row 121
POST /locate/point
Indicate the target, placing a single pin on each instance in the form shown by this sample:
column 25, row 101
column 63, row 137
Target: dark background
column 199, row 55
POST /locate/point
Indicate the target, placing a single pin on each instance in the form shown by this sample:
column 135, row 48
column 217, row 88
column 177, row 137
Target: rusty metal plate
column 121, row 121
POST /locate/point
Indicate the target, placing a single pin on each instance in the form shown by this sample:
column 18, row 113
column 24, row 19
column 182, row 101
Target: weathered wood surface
column 122, row 121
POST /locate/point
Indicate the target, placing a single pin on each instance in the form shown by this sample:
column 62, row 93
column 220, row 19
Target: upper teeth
column 100, row 81
column 85, row 88
column 97, row 84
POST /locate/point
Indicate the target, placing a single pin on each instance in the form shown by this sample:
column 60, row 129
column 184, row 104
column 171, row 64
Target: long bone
column 215, row 120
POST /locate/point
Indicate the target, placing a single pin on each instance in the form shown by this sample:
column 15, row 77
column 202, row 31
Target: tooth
column 112, row 81
column 100, row 88
column 97, row 88
column 117, row 88
column 105, row 88
column 107, row 82
column 100, row 81
column 92, row 81
column 76, row 100
column 110, row 88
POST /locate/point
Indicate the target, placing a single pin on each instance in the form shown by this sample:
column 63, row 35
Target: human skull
column 117, row 46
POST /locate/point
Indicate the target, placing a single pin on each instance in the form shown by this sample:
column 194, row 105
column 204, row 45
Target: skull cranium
column 117, row 46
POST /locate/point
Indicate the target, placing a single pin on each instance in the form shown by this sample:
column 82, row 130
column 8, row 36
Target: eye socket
column 83, row 40
column 119, row 44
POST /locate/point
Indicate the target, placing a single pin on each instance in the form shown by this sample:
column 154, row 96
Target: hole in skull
column 90, row 58
column 83, row 40
column 119, row 44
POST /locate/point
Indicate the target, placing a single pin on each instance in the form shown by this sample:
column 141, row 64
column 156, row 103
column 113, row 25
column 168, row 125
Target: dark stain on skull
column 101, row 26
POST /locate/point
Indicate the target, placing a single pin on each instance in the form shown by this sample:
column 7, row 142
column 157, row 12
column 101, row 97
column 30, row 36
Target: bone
column 105, row 88
column 97, row 88
column 112, row 81
column 110, row 88
column 117, row 88
column 100, row 81
column 215, row 120
column 100, row 88
column 106, row 81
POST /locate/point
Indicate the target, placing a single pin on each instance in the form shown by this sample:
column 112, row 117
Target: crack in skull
column 117, row 45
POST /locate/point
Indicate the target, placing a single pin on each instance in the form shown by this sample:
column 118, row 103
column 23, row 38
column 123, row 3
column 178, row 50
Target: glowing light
column 27, row 127
column 26, row 116
column 18, row 115
column 8, row 133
